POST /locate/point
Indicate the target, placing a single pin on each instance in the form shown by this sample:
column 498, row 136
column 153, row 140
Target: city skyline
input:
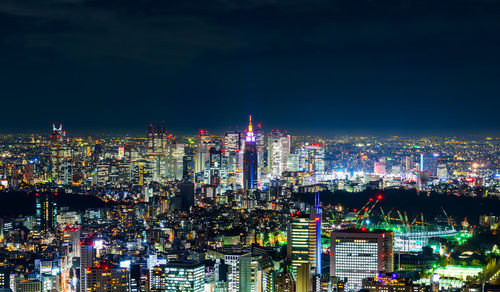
column 249, row 146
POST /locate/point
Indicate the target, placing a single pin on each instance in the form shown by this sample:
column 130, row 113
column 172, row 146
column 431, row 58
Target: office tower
column 232, row 141
column 188, row 165
column 284, row 283
column 303, row 278
column 429, row 162
column 256, row 273
column 157, row 279
column 71, row 237
column 141, row 172
column 127, row 219
column 250, row 160
column 311, row 158
column 278, row 150
column 202, row 155
column 315, row 235
column 304, row 239
column 104, row 277
column 292, row 162
column 157, row 140
column 215, row 172
column 379, row 167
column 184, row 276
column 358, row 254
column 46, row 211
column 245, row 271
column 28, row 285
column 61, row 164
column 285, row 145
column 174, row 156
column 408, row 163
column 87, row 256
column 442, row 172
column 233, row 260
column 139, row 278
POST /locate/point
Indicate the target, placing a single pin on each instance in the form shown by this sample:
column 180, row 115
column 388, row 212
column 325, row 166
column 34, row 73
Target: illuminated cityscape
column 250, row 146
column 218, row 212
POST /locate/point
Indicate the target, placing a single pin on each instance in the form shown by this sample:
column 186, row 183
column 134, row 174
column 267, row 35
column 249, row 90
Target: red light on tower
column 371, row 199
column 355, row 210
column 379, row 197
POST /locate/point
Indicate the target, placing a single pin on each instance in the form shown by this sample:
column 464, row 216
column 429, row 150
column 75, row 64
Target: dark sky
column 318, row 66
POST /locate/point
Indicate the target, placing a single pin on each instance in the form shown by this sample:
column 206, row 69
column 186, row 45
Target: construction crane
column 367, row 209
column 450, row 221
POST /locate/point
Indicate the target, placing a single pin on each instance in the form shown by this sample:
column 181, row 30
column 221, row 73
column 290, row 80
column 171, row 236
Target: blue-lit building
column 429, row 163
column 250, row 160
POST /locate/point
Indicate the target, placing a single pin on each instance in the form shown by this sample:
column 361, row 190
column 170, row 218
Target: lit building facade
column 250, row 160
column 184, row 276
column 304, row 240
column 359, row 254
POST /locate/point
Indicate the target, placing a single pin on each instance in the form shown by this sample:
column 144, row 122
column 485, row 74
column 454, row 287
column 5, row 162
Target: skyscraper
column 303, row 278
column 46, row 211
column 250, row 160
column 359, row 254
column 278, row 150
column 87, row 255
column 304, row 239
column 184, row 276
column 429, row 163
column 61, row 157
column 104, row 277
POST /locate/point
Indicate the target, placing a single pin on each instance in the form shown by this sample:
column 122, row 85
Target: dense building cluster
column 224, row 213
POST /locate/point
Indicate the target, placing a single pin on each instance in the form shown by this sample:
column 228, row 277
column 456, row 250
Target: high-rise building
column 46, row 211
column 277, row 153
column 250, row 160
column 429, row 163
column 87, row 256
column 202, row 155
column 28, row 285
column 233, row 261
column 304, row 239
column 174, row 156
column 284, row 283
column 256, row 273
column 304, row 278
column 157, row 140
column 232, row 141
column 104, row 277
column 311, row 158
column 184, row 276
column 61, row 164
column 408, row 163
column 359, row 254
column 442, row 171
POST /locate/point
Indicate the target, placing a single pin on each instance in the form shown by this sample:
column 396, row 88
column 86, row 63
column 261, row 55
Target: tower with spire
column 250, row 160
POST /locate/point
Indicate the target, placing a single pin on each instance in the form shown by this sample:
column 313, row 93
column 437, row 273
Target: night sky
column 317, row 66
